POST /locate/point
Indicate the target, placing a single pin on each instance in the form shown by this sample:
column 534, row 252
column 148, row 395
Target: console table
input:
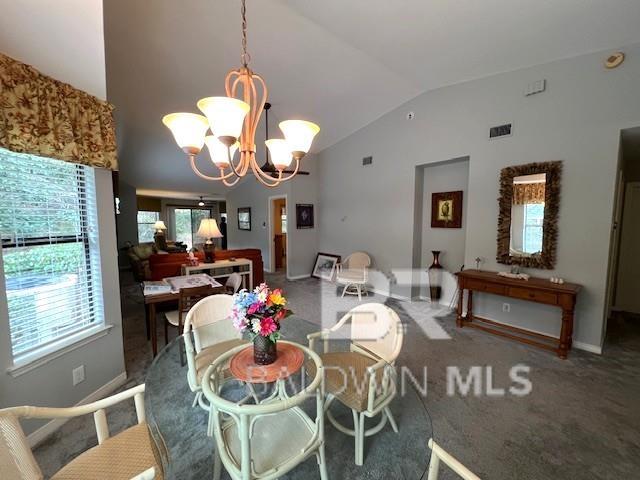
column 537, row 290
column 247, row 275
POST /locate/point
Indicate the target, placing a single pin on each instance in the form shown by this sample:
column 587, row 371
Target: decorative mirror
column 528, row 220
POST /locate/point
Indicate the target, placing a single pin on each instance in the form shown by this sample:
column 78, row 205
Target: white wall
column 51, row 384
column 63, row 39
column 578, row 120
column 302, row 244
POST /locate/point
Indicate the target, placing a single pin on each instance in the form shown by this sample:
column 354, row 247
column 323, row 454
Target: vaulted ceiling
column 339, row 63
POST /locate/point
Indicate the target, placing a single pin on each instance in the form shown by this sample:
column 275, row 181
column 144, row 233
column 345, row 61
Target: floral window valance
column 524, row 193
column 46, row 117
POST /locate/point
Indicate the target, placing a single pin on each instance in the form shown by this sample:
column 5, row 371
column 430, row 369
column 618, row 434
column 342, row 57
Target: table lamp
column 209, row 230
column 158, row 236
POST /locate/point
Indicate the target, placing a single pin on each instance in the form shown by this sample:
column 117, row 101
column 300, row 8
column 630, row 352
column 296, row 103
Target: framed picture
column 325, row 266
column 304, row 215
column 446, row 210
column 244, row 218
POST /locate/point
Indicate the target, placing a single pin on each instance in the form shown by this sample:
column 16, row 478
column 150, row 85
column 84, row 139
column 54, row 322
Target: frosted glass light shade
column 209, row 229
column 188, row 130
column 218, row 151
column 225, row 115
column 280, row 153
column 159, row 225
column 299, row 134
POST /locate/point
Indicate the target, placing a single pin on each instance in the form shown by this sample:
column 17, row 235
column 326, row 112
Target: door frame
column 272, row 260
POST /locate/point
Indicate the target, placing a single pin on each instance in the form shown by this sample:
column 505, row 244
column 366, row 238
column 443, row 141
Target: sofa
column 163, row 265
column 139, row 257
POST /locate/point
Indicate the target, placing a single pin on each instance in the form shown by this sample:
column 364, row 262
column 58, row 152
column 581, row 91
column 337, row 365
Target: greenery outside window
column 186, row 224
column 50, row 252
column 146, row 220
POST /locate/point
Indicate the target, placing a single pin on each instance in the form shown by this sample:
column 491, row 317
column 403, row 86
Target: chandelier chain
column 245, row 57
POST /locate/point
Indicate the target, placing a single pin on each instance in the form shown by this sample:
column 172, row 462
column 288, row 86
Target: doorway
column 278, row 238
column 623, row 299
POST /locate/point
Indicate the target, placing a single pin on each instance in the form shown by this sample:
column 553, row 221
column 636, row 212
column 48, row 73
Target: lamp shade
column 209, row 229
column 188, row 130
column 218, row 151
column 225, row 115
column 159, row 225
column 280, row 153
column 299, row 134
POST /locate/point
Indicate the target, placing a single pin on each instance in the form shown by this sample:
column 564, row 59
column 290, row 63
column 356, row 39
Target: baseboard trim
column 35, row 438
column 588, row 347
column 299, row 277
column 390, row 295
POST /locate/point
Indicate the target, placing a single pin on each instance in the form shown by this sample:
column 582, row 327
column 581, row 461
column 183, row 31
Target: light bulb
column 299, row 135
column 218, row 151
column 280, row 153
column 225, row 115
column 188, row 130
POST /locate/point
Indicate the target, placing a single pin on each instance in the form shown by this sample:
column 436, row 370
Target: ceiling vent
column 367, row 161
column 500, row 131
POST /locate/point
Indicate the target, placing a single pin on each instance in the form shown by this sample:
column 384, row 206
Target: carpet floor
column 580, row 419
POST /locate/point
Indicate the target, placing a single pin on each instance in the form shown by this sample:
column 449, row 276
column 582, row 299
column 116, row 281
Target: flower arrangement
column 259, row 313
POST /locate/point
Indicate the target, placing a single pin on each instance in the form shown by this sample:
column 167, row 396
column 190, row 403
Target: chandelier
column 233, row 122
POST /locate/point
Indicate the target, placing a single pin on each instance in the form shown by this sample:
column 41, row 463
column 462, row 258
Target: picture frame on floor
column 324, row 267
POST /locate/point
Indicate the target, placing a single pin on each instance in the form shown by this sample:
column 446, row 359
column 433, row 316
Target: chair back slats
column 357, row 260
column 234, row 282
column 16, row 460
column 378, row 329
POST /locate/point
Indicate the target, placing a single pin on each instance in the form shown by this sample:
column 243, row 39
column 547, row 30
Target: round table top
column 289, row 360
column 180, row 430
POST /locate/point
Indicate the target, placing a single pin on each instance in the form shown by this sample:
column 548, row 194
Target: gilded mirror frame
column 547, row 259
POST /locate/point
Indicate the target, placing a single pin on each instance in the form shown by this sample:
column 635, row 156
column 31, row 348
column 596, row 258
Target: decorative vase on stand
column 264, row 350
column 435, row 277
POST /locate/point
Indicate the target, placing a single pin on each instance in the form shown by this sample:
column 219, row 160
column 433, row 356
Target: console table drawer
column 533, row 295
column 479, row 286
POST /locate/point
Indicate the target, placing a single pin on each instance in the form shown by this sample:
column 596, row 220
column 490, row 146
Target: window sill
column 30, row 362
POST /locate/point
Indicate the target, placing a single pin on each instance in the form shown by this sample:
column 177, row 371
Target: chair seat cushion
column 173, row 317
column 351, row 276
column 120, row 457
column 346, row 377
column 275, row 439
column 207, row 355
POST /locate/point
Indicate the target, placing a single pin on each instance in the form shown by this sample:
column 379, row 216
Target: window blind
column 51, row 260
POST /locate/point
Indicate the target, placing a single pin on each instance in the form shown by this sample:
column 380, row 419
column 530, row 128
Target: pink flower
column 240, row 324
column 253, row 308
column 267, row 326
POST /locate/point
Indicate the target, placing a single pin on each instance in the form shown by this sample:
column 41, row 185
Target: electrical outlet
column 78, row 375
column 506, row 307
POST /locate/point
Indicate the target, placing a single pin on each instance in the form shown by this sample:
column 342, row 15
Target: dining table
column 179, row 429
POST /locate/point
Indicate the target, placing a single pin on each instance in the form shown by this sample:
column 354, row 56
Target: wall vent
column 367, row 161
column 500, row 131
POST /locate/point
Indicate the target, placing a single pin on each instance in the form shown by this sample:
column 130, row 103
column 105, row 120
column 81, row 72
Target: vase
column 435, row 277
column 264, row 350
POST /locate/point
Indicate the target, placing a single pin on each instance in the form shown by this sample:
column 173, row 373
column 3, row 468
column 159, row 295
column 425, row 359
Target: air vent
column 500, row 131
column 367, row 161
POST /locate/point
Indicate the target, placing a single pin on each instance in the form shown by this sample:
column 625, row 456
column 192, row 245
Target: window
column 145, row 225
column 48, row 223
column 187, row 222
column 532, row 235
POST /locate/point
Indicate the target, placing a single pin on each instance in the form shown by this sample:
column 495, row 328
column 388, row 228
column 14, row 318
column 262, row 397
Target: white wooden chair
column 375, row 343
column 131, row 454
column 266, row 440
column 437, row 454
column 352, row 272
column 233, row 283
column 213, row 334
